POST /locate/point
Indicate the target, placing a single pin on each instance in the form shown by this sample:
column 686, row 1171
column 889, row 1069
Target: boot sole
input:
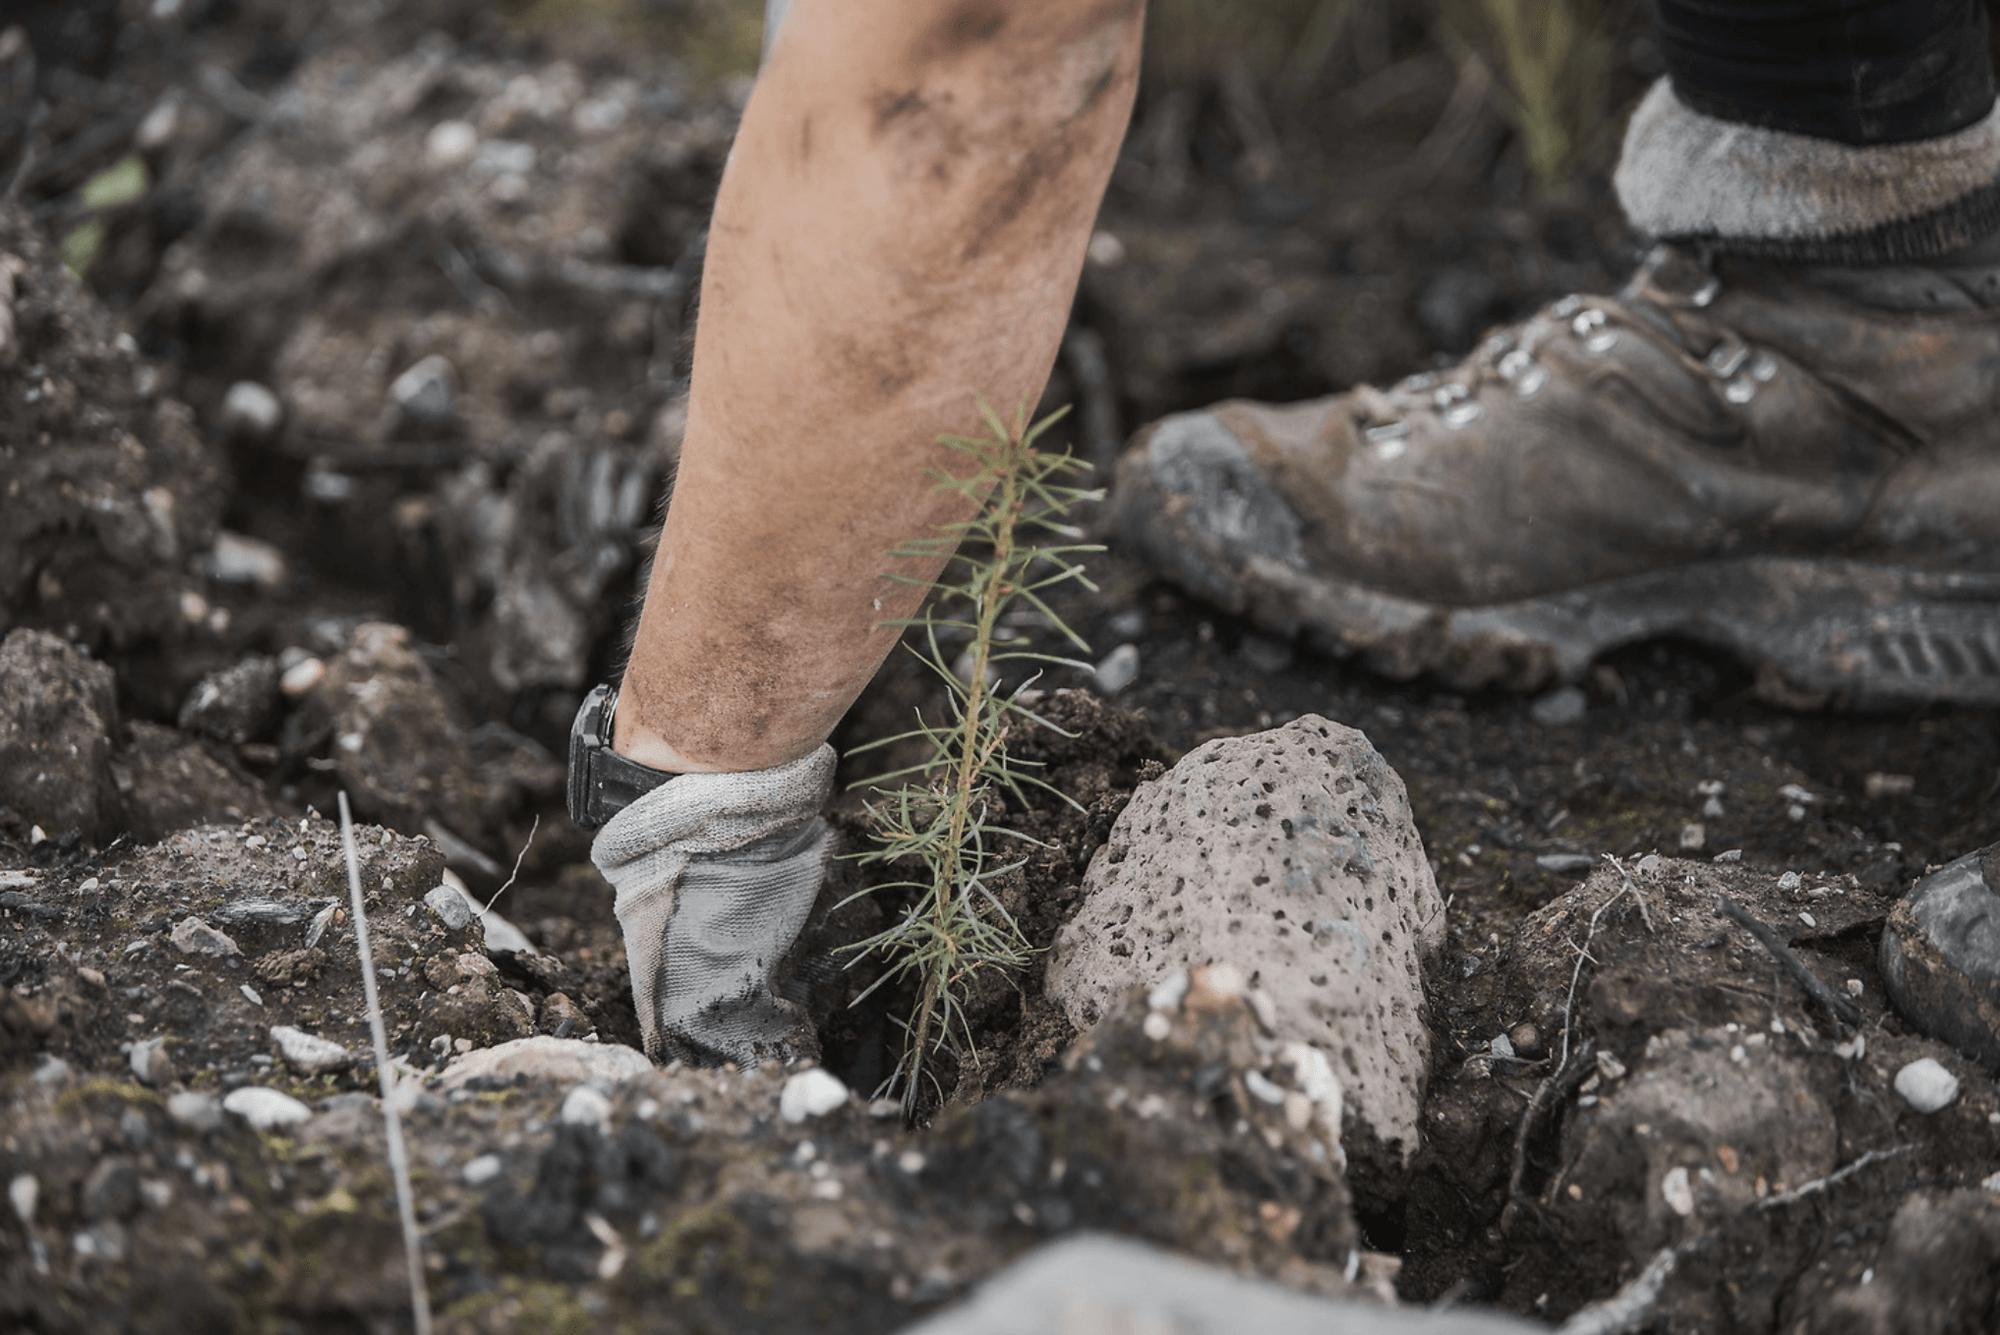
column 1863, row 633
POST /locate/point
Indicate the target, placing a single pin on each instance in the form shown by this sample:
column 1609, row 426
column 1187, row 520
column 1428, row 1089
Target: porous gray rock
column 56, row 716
column 1293, row 854
column 1093, row 1282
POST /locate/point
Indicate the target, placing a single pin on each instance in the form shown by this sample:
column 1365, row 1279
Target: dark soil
column 292, row 231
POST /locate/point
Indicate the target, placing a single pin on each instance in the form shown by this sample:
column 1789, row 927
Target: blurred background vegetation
column 1547, row 67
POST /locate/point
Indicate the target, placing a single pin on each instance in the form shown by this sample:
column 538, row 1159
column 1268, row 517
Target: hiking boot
column 1941, row 955
column 1801, row 466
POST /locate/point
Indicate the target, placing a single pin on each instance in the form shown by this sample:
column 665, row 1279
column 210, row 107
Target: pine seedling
column 937, row 816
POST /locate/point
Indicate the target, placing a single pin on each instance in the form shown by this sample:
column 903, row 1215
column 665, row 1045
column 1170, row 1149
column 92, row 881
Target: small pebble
column 252, row 411
column 1693, row 836
column 236, row 559
column 1677, row 1192
column 194, row 1110
column 450, row 906
column 813, row 1092
column 584, row 1106
column 1728, row 855
column 301, row 677
column 265, row 1108
column 192, row 936
column 426, row 392
column 1926, row 1085
column 1559, row 708
column 1501, row 1046
column 1790, row 881
column 24, row 1193
column 478, row 1172
column 150, row 1064
column 1565, row 862
column 450, row 143
column 309, row 1054
column 1119, row 669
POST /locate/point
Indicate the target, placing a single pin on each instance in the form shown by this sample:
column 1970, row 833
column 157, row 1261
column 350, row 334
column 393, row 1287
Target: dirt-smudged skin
column 897, row 235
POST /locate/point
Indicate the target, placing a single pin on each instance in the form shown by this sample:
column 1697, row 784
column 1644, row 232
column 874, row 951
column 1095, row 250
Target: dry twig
column 399, row 1159
column 1842, row 1009
column 519, row 858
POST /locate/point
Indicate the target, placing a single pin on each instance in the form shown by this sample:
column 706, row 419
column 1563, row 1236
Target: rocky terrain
column 342, row 364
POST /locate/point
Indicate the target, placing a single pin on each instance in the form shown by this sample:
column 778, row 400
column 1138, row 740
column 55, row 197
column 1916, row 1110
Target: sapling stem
column 399, row 1160
column 956, row 927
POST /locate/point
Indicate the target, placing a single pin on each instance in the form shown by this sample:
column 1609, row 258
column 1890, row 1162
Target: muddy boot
column 1801, row 465
column 1941, row 955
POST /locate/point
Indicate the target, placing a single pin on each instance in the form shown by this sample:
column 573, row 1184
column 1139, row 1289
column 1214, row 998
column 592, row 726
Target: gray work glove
column 715, row 875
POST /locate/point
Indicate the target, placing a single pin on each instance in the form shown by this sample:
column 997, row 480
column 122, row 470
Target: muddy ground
column 375, row 373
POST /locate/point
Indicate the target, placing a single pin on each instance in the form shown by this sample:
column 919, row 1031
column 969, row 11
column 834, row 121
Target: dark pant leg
column 1856, row 71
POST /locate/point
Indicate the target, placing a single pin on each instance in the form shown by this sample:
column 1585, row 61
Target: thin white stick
column 519, row 858
column 399, row 1161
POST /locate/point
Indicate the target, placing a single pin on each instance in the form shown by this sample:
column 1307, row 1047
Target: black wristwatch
column 603, row 783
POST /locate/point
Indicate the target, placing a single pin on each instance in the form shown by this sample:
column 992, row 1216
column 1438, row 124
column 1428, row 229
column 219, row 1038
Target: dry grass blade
column 399, row 1159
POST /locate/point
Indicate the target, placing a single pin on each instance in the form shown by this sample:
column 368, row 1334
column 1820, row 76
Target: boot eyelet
column 1763, row 367
column 1514, row 363
column 1740, row 391
column 1705, row 295
column 1416, row 384
column 1600, row 343
column 1461, row 415
column 1446, row 395
column 1587, row 321
column 1724, row 359
column 1531, row 382
column 1566, row 307
column 1388, row 431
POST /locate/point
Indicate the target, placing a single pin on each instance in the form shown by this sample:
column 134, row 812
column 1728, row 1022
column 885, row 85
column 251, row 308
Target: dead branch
column 1842, row 1009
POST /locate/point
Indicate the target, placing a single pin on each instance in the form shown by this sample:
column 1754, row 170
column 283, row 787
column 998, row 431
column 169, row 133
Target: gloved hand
column 715, row 875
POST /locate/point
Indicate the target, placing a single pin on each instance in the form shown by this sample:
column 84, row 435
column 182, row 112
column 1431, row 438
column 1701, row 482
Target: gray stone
column 1292, row 853
column 1119, row 669
column 236, row 705
column 1560, row 707
column 57, row 713
column 192, row 936
column 1940, row 955
column 813, row 1092
column 586, row 1107
column 236, row 559
column 1926, row 1085
column 251, row 411
column 265, row 1108
column 450, row 906
column 309, row 1054
column 150, row 1063
column 568, row 1060
column 195, row 1110
column 1095, row 1283
column 427, row 392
